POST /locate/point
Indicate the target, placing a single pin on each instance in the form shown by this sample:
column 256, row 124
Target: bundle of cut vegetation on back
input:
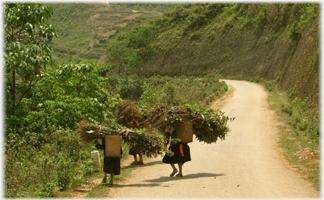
column 151, row 143
column 208, row 125
column 128, row 114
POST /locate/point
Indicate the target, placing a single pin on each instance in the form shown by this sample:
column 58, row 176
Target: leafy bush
column 46, row 167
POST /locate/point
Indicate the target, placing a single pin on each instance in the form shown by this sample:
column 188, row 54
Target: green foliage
column 27, row 52
column 304, row 14
column 65, row 96
column 212, row 126
column 302, row 119
column 91, row 20
column 208, row 125
column 43, row 104
column 152, row 144
column 44, row 168
column 294, row 32
column 227, row 17
column 148, row 97
column 184, row 90
column 128, row 53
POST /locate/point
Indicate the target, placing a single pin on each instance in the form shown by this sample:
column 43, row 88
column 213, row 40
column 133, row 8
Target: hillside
column 277, row 42
column 272, row 41
column 84, row 28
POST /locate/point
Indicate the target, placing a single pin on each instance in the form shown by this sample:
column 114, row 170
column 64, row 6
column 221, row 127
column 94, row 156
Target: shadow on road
column 131, row 185
column 144, row 165
column 188, row 176
column 164, row 179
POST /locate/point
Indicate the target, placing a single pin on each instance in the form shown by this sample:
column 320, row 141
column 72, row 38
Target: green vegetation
column 84, row 28
column 300, row 137
column 45, row 100
column 48, row 92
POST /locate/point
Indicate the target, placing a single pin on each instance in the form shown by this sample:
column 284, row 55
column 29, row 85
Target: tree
column 27, row 50
column 128, row 54
column 141, row 42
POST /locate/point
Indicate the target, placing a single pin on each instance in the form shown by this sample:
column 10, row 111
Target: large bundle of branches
column 151, row 143
column 208, row 125
column 163, row 115
column 90, row 132
column 128, row 114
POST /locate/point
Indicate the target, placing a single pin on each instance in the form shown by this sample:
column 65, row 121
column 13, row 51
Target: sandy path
column 246, row 164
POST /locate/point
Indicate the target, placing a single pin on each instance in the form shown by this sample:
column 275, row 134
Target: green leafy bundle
column 151, row 143
column 208, row 125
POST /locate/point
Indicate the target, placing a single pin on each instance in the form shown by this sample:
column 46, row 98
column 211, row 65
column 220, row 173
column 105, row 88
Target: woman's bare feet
column 179, row 175
column 174, row 172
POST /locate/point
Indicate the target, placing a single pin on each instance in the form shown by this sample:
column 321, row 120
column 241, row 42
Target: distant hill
column 84, row 28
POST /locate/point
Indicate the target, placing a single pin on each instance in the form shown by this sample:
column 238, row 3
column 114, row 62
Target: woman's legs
column 180, row 170
column 104, row 180
column 111, row 182
column 141, row 158
column 174, row 170
column 135, row 157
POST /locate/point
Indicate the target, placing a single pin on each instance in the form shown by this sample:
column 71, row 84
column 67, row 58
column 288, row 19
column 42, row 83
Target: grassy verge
column 101, row 190
column 299, row 149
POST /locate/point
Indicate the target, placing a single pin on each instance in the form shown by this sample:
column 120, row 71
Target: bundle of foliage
column 208, row 125
column 151, row 143
column 128, row 114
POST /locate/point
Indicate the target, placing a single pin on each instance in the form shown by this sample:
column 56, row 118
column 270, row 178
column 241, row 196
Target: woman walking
column 181, row 153
column 111, row 165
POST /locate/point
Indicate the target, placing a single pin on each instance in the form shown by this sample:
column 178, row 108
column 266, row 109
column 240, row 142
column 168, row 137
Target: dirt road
column 246, row 164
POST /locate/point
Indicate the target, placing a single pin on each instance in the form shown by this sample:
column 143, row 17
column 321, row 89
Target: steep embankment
column 272, row 41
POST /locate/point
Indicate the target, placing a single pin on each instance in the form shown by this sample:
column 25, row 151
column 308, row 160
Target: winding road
column 247, row 164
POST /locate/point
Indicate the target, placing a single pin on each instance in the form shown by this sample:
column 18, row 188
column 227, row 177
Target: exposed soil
column 247, row 164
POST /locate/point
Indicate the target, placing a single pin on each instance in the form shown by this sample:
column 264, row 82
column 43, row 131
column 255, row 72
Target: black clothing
column 181, row 152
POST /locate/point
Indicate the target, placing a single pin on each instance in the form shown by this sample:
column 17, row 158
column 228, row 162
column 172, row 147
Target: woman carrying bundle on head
column 181, row 152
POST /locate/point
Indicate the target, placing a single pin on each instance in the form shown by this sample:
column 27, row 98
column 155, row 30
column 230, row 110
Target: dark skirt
column 111, row 165
column 181, row 154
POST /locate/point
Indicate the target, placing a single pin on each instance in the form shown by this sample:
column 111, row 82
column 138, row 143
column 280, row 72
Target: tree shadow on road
column 188, row 176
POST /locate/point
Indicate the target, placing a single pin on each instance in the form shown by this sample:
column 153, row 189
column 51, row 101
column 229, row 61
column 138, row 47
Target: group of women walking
column 181, row 154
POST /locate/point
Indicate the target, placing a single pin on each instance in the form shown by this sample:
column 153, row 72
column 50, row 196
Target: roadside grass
column 100, row 190
column 299, row 149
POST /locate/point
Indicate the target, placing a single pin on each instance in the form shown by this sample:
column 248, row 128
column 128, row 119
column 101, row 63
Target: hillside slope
column 273, row 41
column 85, row 28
